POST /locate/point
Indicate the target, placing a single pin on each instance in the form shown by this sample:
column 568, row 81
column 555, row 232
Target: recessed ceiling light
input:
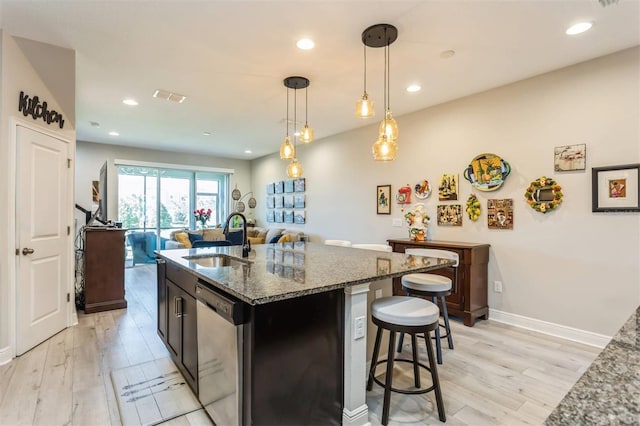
column 305, row 44
column 248, row 151
column 114, row 133
column 578, row 28
column 445, row 54
column 130, row 102
column 206, row 133
column 413, row 88
column 169, row 96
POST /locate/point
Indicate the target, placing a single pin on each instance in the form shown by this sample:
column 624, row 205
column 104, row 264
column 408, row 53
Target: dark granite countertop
column 608, row 393
column 288, row 270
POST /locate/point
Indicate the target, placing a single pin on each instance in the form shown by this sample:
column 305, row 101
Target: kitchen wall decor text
column 33, row 107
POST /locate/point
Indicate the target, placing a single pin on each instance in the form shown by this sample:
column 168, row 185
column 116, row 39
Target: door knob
column 26, row 251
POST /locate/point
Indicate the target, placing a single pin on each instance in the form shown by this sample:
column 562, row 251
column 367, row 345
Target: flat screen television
column 102, row 190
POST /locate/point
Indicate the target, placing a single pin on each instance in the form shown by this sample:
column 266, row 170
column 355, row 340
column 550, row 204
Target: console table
column 468, row 299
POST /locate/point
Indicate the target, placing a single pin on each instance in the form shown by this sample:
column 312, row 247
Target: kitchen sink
column 216, row 260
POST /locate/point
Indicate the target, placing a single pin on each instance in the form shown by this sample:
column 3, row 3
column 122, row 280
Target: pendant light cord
column 295, row 116
column 386, row 73
column 287, row 111
column 306, row 106
column 364, row 46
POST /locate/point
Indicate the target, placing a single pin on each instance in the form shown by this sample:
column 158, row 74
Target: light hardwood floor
column 497, row 374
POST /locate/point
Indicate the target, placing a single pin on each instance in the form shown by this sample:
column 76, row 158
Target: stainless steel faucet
column 246, row 245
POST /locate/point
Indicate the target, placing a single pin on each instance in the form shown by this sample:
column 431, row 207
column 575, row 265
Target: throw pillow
column 272, row 233
column 252, row 233
column 255, row 240
column 183, row 239
column 275, row 239
column 213, row 234
column 286, row 238
column 262, row 233
column 194, row 237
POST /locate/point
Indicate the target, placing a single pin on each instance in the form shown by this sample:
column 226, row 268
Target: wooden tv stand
column 104, row 254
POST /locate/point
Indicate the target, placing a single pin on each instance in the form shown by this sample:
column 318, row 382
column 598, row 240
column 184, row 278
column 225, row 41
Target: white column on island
column 355, row 410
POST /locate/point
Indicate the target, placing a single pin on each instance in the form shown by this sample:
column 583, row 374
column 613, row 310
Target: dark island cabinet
column 177, row 319
column 468, row 299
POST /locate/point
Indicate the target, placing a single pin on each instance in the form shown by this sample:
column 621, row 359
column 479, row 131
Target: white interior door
column 41, row 219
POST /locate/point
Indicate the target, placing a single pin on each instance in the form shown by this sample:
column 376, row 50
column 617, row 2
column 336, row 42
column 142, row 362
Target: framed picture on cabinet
column 383, row 199
column 615, row 188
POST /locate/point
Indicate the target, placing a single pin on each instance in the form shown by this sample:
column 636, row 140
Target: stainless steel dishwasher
column 220, row 346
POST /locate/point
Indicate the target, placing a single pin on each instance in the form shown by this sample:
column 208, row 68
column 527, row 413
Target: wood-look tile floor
column 497, row 374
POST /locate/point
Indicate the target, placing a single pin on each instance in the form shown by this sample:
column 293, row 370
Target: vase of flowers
column 202, row 216
column 418, row 221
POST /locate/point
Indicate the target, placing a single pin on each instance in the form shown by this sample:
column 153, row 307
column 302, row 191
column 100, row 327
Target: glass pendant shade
column 294, row 169
column 384, row 149
column 364, row 107
column 389, row 127
column 287, row 151
column 306, row 134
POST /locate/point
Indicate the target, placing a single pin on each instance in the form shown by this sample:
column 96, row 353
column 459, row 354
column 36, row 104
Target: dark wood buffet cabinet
column 469, row 298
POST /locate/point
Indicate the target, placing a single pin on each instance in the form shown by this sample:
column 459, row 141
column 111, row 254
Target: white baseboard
column 544, row 327
column 6, row 355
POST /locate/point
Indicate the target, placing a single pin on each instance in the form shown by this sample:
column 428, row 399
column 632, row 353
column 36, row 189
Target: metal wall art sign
column 32, row 107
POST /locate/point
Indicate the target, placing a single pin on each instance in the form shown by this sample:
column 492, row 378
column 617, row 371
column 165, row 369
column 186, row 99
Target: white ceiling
column 230, row 57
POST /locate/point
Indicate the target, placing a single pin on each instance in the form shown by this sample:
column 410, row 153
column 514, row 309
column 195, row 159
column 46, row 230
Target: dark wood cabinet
column 104, row 254
column 179, row 309
column 162, row 299
column 468, row 299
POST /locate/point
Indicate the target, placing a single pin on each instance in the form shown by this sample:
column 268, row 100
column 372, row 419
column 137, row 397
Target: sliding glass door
column 153, row 202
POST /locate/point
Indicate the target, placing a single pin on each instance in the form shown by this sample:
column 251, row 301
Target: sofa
column 255, row 235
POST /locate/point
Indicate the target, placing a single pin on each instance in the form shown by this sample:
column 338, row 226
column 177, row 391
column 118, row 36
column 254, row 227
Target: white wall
column 91, row 156
column 21, row 71
column 570, row 267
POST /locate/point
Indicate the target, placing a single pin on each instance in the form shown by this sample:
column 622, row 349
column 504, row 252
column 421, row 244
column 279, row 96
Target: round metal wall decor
column 236, row 194
column 487, row 172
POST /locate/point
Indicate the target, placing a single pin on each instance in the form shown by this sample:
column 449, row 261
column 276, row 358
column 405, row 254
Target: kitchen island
column 608, row 393
column 303, row 328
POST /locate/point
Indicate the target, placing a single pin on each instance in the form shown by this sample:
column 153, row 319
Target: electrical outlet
column 378, row 293
column 497, row 286
column 396, row 222
column 358, row 328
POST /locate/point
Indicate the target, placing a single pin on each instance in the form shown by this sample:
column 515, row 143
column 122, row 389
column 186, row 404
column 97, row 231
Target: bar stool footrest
column 404, row 391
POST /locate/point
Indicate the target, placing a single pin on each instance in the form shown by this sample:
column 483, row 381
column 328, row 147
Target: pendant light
column 364, row 106
column 306, row 134
column 287, row 150
column 294, row 169
column 385, row 147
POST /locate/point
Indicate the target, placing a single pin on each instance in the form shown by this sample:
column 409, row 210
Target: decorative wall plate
column 487, row 172
column 544, row 194
column 422, row 189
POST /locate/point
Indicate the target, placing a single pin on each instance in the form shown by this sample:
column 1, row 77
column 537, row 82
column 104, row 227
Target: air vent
column 169, row 96
column 605, row 3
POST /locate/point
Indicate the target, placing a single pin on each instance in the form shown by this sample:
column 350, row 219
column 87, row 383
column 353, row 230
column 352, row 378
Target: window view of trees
column 162, row 200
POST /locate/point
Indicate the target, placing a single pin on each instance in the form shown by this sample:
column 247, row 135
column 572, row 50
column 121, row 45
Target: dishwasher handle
column 229, row 308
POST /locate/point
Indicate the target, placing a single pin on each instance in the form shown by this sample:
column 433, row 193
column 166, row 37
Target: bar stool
column 433, row 286
column 376, row 247
column 341, row 243
column 410, row 315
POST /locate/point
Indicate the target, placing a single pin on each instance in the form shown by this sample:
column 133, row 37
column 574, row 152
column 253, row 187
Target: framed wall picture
column 288, row 201
column 569, row 157
column 288, row 186
column 299, row 216
column 299, row 185
column 279, row 187
column 500, row 214
column 450, row 215
column 298, row 201
column 271, row 188
column 615, row 188
column 383, row 199
column 448, row 188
